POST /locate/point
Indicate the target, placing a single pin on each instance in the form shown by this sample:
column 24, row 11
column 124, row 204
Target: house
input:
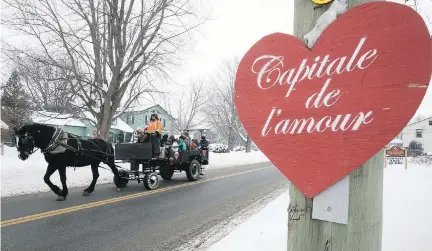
column 6, row 130
column 420, row 131
column 83, row 126
column 140, row 119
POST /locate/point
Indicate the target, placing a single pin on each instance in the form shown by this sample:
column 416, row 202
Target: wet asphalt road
column 151, row 221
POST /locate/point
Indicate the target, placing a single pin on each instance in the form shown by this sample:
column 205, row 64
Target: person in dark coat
column 204, row 143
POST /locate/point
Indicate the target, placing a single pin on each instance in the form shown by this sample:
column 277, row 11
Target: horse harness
column 59, row 144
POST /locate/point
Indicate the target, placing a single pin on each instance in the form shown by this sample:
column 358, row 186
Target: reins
column 55, row 142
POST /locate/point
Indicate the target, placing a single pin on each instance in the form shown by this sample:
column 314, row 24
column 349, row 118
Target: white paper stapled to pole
column 333, row 203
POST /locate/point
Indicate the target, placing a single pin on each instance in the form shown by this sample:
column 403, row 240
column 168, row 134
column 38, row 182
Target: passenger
column 182, row 144
column 204, row 143
column 171, row 140
column 164, row 140
column 193, row 144
column 188, row 140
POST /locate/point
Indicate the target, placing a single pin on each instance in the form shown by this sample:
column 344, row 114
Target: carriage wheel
column 166, row 171
column 193, row 170
column 122, row 180
column 151, row 181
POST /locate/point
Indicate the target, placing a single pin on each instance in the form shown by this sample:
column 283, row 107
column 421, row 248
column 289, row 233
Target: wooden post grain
column 364, row 229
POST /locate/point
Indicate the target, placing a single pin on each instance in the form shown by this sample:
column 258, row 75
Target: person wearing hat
column 155, row 129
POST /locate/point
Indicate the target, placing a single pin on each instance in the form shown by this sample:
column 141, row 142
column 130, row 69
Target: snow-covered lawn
column 23, row 177
column 407, row 221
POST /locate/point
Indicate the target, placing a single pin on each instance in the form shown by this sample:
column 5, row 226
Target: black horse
column 63, row 150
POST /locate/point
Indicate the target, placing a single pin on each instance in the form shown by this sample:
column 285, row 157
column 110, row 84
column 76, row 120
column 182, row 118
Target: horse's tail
column 110, row 153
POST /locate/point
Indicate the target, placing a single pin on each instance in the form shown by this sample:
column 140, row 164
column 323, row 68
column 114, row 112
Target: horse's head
column 25, row 142
column 32, row 136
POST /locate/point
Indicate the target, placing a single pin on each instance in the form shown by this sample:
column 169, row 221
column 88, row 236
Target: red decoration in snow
column 319, row 114
column 395, row 151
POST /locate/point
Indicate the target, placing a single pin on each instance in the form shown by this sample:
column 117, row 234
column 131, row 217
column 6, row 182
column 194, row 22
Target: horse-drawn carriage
column 62, row 149
column 170, row 159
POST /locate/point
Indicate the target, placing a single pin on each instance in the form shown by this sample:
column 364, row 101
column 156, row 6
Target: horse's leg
column 50, row 170
column 64, row 192
column 114, row 169
column 95, row 171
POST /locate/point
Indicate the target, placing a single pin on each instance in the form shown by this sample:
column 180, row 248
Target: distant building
column 83, row 126
column 141, row 118
column 420, row 131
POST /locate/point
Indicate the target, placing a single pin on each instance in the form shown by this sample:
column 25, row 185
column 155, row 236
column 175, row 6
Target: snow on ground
column 407, row 223
column 222, row 160
column 25, row 177
column 266, row 230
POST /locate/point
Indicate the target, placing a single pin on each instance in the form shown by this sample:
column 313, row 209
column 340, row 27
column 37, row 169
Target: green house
column 84, row 127
column 141, row 118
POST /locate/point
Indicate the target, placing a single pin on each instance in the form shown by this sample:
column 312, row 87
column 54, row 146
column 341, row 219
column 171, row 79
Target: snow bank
column 222, row 160
column 407, row 208
column 24, row 177
column 266, row 230
column 407, row 222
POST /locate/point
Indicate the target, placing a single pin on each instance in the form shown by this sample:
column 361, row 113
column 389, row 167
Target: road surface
column 134, row 219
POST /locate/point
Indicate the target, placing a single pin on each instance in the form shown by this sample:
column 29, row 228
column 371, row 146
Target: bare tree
column 190, row 105
column 221, row 110
column 48, row 86
column 114, row 49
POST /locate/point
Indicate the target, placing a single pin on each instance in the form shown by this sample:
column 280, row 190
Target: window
column 128, row 137
column 430, row 122
column 111, row 137
column 130, row 119
column 419, row 133
column 164, row 122
column 114, row 122
column 145, row 121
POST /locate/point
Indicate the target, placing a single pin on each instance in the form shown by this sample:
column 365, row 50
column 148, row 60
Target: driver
column 155, row 128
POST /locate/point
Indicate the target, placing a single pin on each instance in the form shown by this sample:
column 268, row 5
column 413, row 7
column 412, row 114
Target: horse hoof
column 118, row 189
column 61, row 198
column 85, row 193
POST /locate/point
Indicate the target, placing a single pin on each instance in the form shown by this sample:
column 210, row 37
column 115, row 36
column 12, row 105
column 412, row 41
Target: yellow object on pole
column 321, row 1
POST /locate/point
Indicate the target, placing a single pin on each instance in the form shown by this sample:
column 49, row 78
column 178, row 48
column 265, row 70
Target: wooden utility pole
column 364, row 229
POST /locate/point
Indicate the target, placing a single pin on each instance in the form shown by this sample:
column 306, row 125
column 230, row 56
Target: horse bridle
column 24, row 139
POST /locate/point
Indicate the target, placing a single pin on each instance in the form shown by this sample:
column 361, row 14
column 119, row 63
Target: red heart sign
column 319, row 114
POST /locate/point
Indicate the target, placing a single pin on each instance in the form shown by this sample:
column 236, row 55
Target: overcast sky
column 236, row 25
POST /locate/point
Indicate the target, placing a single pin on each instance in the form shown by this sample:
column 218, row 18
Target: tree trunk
column 230, row 144
column 364, row 229
column 248, row 144
column 104, row 122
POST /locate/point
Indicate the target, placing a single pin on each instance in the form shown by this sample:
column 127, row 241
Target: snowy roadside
column 229, row 229
column 406, row 224
column 26, row 177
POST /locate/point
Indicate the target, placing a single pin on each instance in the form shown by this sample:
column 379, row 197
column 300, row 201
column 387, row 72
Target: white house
column 420, row 131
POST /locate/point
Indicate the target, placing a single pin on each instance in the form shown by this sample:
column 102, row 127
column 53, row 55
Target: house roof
column 119, row 125
column 122, row 126
column 415, row 122
column 396, row 141
column 53, row 118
